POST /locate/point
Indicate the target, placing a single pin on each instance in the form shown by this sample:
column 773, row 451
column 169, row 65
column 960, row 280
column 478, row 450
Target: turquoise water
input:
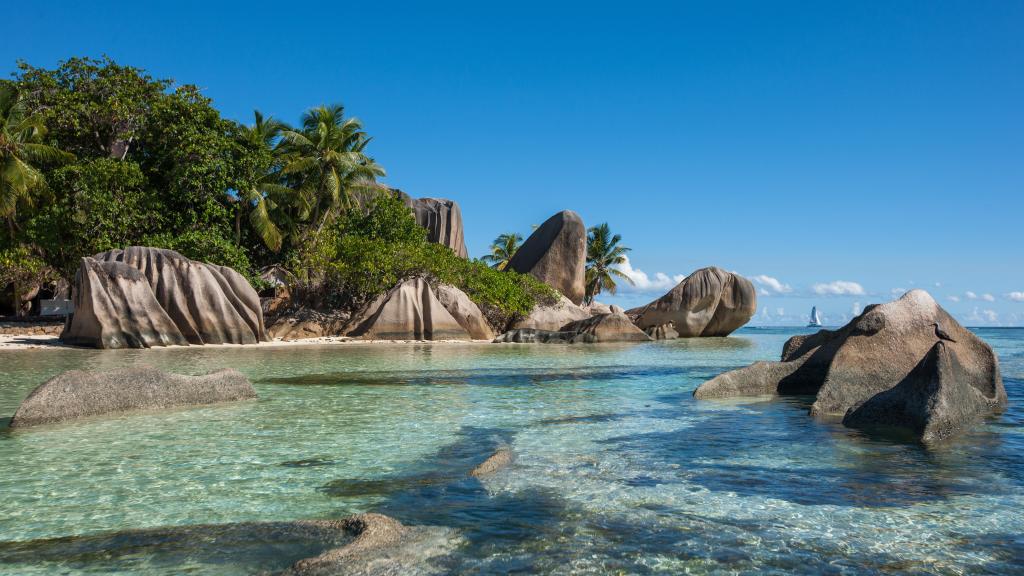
column 617, row 468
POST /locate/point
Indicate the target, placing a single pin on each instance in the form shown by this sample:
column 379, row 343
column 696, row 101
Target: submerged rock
column 552, row 317
column 465, row 312
column 556, row 254
column 708, row 302
column 142, row 297
column 409, row 311
column 904, row 364
column 78, row 394
column 501, row 458
column 596, row 329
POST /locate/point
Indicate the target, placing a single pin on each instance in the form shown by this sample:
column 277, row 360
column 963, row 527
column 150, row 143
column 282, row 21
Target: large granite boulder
column 465, row 312
column 553, row 316
column 142, row 297
column 409, row 311
column 443, row 220
column 595, row 329
column 708, row 302
column 904, row 364
column 78, row 394
column 556, row 254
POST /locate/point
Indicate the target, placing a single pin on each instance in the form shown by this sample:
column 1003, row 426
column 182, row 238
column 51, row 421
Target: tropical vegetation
column 502, row 250
column 96, row 155
column 604, row 255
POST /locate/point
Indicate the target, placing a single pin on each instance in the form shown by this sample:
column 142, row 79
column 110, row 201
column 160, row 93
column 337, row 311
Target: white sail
column 815, row 318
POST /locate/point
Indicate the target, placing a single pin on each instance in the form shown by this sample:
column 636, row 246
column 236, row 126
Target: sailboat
column 815, row 318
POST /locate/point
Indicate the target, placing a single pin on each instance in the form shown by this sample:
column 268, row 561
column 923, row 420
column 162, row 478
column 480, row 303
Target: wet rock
column 556, row 254
column 904, row 364
column 465, row 312
column 409, row 311
column 78, row 394
column 142, row 297
column 708, row 302
column 595, row 329
column 501, row 458
column 552, row 317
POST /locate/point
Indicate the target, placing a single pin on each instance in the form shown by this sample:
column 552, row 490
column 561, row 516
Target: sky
column 836, row 153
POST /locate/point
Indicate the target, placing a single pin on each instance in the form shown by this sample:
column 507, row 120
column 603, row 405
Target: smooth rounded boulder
column 905, row 364
column 78, row 394
column 708, row 302
column 141, row 297
column 465, row 312
column 552, row 317
column 556, row 254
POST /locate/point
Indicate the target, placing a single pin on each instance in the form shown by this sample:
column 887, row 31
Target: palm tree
column 603, row 255
column 266, row 192
column 327, row 161
column 502, row 250
column 21, row 134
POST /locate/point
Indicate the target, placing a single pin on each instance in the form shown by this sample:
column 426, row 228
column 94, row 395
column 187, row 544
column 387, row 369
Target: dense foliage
column 97, row 155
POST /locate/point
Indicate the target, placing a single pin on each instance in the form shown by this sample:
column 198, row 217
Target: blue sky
column 836, row 151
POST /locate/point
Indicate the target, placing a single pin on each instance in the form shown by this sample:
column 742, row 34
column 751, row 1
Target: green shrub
column 208, row 246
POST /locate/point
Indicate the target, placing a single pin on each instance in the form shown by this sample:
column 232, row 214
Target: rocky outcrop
column 708, row 302
column 443, row 220
column 142, row 297
column 556, row 254
column 662, row 332
column 305, row 323
column 596, row 329
column 552, row 317
column 904, row 364
column 465, row 312
column 409, row 311
column 78, row 394
column 501, row 458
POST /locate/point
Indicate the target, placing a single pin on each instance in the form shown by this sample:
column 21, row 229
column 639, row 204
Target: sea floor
column 616, row 468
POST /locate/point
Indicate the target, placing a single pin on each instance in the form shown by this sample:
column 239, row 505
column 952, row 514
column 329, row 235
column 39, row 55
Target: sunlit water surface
column 617, row 468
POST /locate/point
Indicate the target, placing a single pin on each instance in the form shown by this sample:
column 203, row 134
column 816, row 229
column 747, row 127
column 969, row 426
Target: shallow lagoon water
column 617, row 468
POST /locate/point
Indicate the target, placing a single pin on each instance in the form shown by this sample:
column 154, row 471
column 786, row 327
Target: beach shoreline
column 45, row 342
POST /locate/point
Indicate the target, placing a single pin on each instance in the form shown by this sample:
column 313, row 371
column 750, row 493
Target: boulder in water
column 708, row 302
column 79, row 394
column 904, row 364
column 409, row 311
column 552, row 317
column 556, row 254
column 141, row 297
column 595, row 329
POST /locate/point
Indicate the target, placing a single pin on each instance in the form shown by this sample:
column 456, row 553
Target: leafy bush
column 23, row 270
column 208, row 246
column 372, row 252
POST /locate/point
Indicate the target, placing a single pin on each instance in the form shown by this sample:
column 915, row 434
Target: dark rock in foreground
column 708, row 302
column 905, row 364
column 142, row 297
column 409, row 311
column 78, row 394
column 556, row 254
column 600, row 328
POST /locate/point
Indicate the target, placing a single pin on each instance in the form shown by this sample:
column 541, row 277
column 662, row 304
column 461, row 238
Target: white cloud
column 986, row 315
column 988, row 298
column 855, row 310
column 971, row 295
column 839, row 288
column 644, row 283
column 769, row 285
column 953, row 298
column 1016, row 296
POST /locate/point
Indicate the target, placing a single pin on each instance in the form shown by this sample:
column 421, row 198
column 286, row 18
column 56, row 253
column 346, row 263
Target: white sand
column 41, row 342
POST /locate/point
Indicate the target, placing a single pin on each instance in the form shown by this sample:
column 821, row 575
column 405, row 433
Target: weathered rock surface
column 306, row 323
column 553, row 317
column 465, row 312
column 556, row 254
column 142, row 297
column 409, row 311
column 904, row 364
column 595, row 329
column 443, row 220
column 708, row 302
column 662, row 332
column 501, row 458
column 78, row 394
